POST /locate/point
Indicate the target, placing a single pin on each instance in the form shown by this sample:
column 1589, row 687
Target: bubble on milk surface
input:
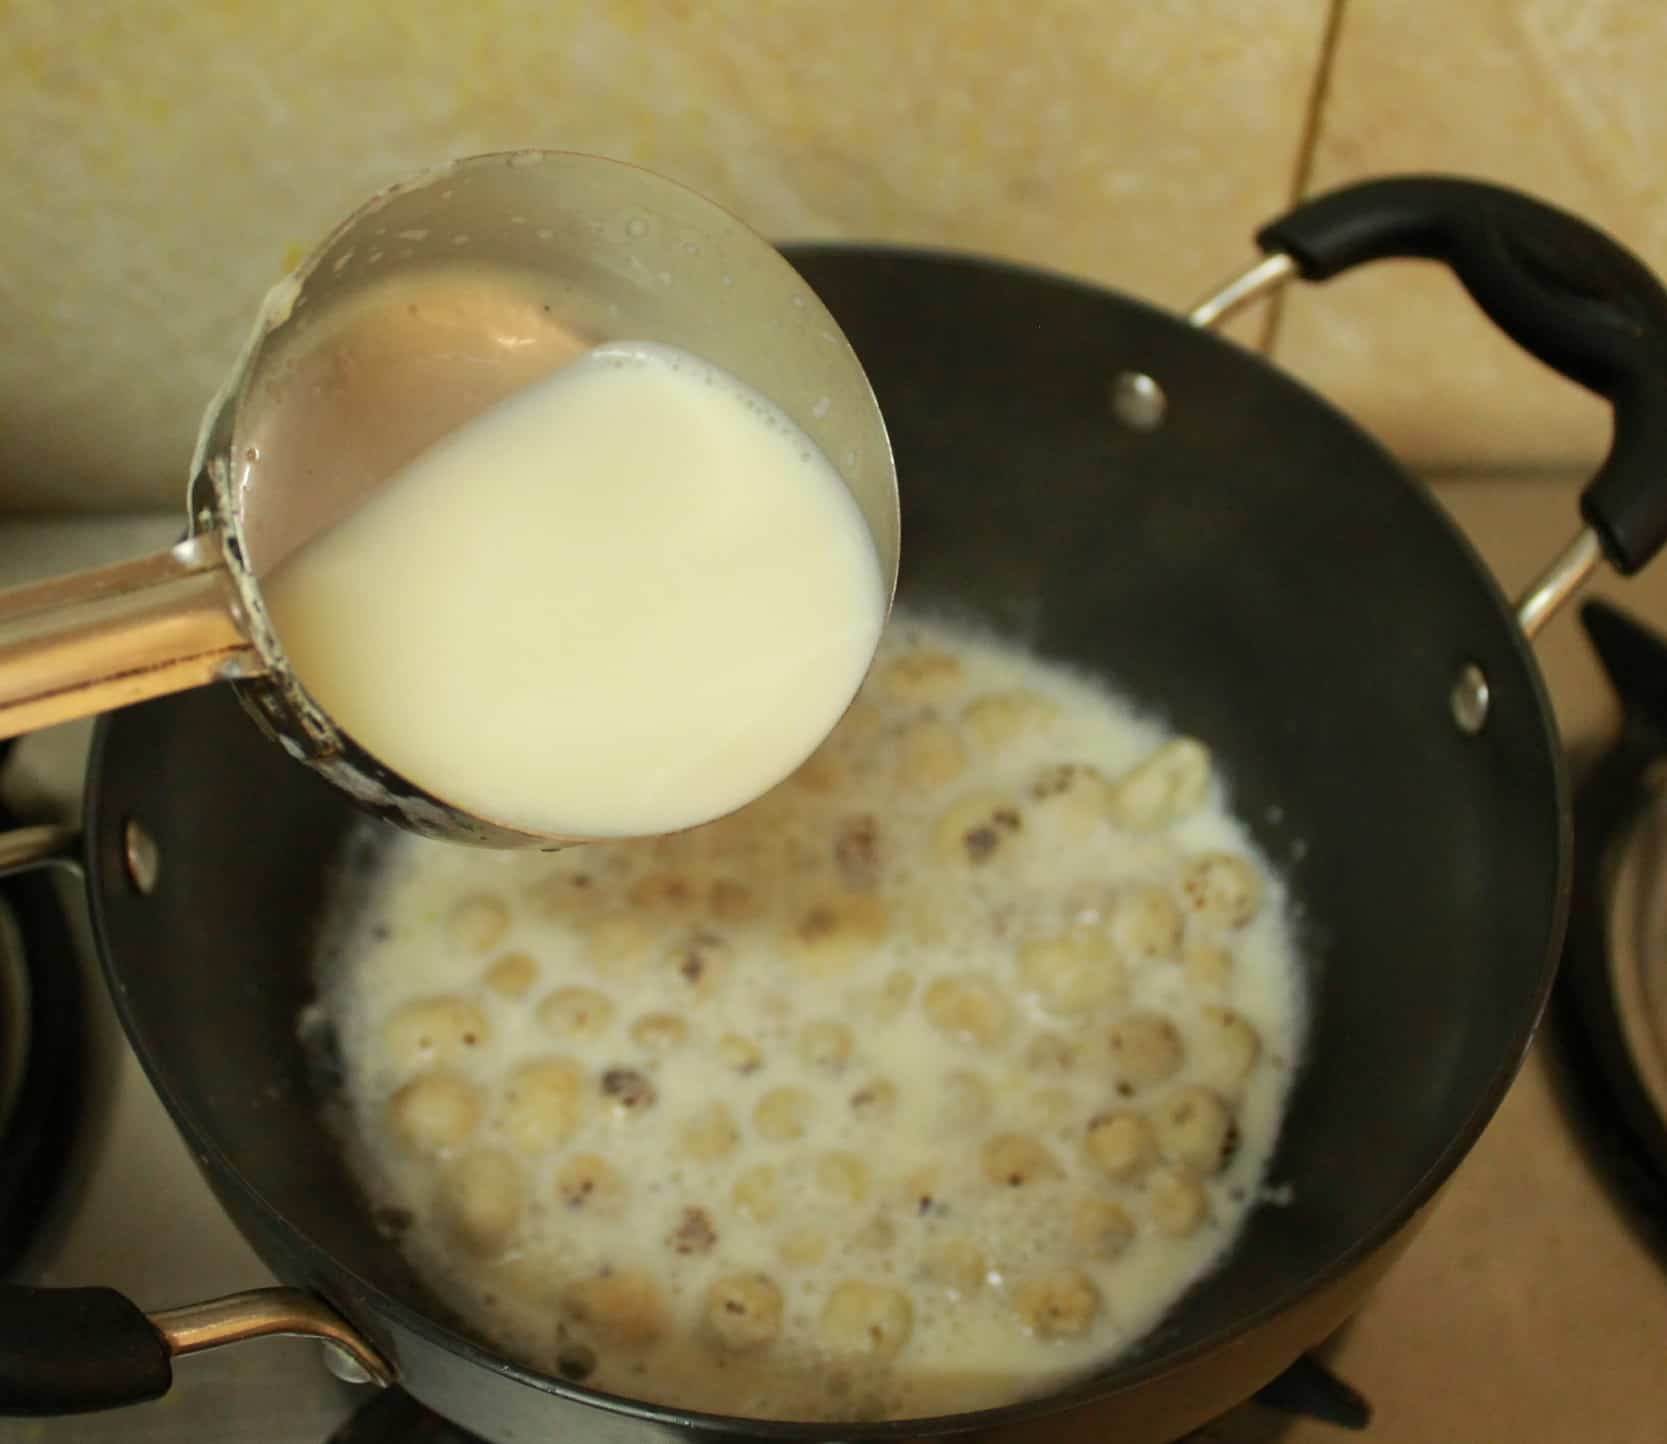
column 1010, row 1270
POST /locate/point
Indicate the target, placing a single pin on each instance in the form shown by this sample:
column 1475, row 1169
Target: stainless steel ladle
column 620, row 253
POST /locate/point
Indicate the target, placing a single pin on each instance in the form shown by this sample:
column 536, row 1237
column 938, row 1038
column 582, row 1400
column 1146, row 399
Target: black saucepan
column 1213, row 539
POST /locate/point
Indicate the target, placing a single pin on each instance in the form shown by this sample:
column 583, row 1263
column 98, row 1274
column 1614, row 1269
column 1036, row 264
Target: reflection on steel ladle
column 613, row 254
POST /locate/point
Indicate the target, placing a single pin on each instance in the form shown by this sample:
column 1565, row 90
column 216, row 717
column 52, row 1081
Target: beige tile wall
column 164, row 164
column 1561, row 97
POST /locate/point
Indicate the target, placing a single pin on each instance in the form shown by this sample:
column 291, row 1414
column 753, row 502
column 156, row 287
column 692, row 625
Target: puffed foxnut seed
column 932, row 754
column 478, row 923
column 1050, row 1053
column 1146, row 924
column 920, row 1189
column 999, row 717
column 1195, row 1130
column 440, row 1029
column 958, row 1265
column 842, row 1176
column 740, row 1055
column 865, row 1320
column 755, row 1193
column 965, row 1100
column 976, row 829
column 970, row 1008
column 856, row 851
column 1208, row 967
column 619, row 942
column 692, row 1233
column 1074, row 972
column 889, row 998
column 1121, row 1144
column 627, row 1309
column 576, row 1012
column 1146, row 1048
column 1101, row 1229
column 480, row 1201
column 782, row 1114
column 700, row 963
column 1222, row 889
column 875, row 1099
column 743, row 1311
column 1060, row 1305
column 836, row 931
column 665, row 892
column 923, row 673
column 1177, row 1203
column 732, row 901
column 710, row 1134
column 1015, row 1160
column 878, row 1234
column 1072, row 796
column 627, row 1090
column 659, row 1032
column 802, row 1248
column 512, row 975
column 1167, row 786
column 589, row 1181
column 825, row 1044
column 1229, row 1046
column 437, row 1110
column 543, row 1103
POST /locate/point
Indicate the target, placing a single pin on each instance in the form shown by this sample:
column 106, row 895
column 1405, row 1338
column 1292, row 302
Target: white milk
column 625, row 600
column 712, row 969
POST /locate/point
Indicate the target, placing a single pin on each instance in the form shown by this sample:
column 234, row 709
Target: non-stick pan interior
column 1253, row 569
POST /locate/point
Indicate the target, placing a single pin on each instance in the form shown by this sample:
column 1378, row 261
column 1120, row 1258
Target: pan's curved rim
column 1140, row 1371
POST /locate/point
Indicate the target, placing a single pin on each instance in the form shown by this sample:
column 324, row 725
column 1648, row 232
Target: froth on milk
column 613, row 591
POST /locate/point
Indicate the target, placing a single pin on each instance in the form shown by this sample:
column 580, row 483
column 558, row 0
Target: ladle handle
column 105, row 638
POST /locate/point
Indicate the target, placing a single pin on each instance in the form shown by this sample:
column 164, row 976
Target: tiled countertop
column 1527, row 1309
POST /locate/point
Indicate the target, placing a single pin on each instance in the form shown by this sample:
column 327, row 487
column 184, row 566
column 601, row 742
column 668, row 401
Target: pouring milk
column 625, row 599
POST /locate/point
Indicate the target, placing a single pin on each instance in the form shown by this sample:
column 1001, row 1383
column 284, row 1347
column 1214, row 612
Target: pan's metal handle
column 104, row 638
column 43, row 844
column 1563, row 290
column 71, row 1351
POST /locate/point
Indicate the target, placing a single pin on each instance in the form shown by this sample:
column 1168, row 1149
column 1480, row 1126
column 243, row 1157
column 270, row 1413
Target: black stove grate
column 42, row 1014
column 1621, row 1127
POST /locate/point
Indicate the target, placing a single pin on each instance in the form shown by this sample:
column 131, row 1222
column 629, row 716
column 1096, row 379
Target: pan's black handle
column 70, row 1351
column 1560, row 288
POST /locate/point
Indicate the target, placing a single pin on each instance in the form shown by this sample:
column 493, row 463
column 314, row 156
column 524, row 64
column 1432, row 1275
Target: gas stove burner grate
column 1612, row 994
column 42, row 1054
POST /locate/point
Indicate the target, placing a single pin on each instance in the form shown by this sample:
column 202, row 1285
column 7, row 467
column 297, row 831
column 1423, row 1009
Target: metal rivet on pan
column 1138, row 401
column 144, row 861
column 343, row 1365
column 1470, row 699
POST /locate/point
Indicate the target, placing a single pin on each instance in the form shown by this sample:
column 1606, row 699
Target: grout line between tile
column 1558, row 476
column 1307, row 144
